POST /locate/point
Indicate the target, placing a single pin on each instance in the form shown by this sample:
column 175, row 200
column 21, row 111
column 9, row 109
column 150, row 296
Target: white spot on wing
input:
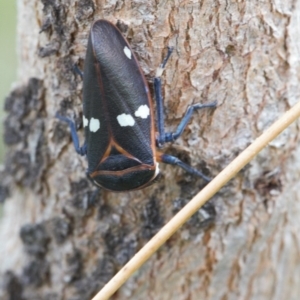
column 142, row 112
column 94, row 125
column 85, row 121
column 125, row 120
column 127, row 52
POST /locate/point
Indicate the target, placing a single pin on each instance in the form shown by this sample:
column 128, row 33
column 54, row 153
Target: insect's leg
column 159, row 100
column 172, row 160
column 80, row 150
column 172, row 136
column 78, row 71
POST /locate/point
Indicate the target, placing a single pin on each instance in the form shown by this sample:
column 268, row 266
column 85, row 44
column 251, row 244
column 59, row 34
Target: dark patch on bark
column 50, row 296
column 122, row 26
column 268, row 185
column 60, row 229
column 85, row 9
column 23, row 106
column 66, row 104
column 13, row 286
column 268, row 182
column 49, row 49
column 4, row 193
column 119, row 244
column 205, row 216
column 87, row 199
column 79, row 186
column 57, row 14
column 25, row 125
column 94, row 198
column 152, row 219
column 60, row 132
column 82, row 204
column 48, row 3
column 104, row 271
column 36, row 273
column 46, row 26
column 103, row 211
column 74, row 266
column 57, row 29
column 35, row 239
column 190, row 185
column 21, row 168
column 67, row 73
column 230, row 50
column 89, row 285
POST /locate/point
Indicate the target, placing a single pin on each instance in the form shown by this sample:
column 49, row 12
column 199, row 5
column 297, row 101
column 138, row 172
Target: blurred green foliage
column 8, row 57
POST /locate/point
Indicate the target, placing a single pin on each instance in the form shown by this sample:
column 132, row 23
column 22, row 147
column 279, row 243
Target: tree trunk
column 62, row 238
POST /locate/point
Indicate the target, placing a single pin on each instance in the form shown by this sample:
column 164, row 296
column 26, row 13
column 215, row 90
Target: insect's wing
column 93, row 98
column 117, row 95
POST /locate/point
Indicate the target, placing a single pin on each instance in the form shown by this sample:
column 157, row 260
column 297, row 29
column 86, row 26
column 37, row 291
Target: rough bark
column 61, row 238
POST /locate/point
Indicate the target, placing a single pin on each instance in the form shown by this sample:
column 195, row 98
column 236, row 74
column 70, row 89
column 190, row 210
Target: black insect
column 118, row 116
